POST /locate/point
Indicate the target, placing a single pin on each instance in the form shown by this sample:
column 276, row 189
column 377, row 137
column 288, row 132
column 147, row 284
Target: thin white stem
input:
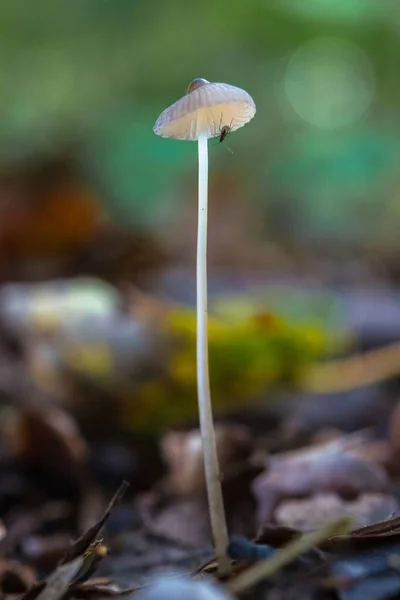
column 211, row 467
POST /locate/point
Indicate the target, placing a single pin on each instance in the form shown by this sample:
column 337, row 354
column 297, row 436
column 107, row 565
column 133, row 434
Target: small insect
column 226, row 129
column 223, row 132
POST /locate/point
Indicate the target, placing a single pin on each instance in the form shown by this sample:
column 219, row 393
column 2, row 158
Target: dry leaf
column 15, row 578
column 48, row 439
column 311, row 513
column 183, row 454
column 326, row 468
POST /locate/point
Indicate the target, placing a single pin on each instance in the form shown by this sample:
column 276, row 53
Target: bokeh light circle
column 329, row 82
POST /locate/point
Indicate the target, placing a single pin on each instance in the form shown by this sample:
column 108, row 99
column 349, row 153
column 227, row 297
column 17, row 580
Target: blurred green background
column 319, row 162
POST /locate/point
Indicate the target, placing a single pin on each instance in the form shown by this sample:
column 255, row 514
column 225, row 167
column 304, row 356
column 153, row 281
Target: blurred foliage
column 96, row 73
column 247, row 357
column 84, row 340
column 319, row 308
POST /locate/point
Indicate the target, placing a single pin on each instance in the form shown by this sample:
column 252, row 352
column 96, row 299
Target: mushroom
column 208, row 110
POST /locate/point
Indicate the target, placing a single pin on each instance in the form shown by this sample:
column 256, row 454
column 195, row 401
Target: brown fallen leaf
column 96, row 589
column 394, row 429
column 47, row 439
column 393, row 451
column 177, row 510
column 15, row 578
column 3, row 531
column 182, row 521
column 380, row 533
column 382, row 452
column 382, row 530
column 182, row 451
column 59, row 581
column 326, row 435
column 327, row 468
column 78, row 563
column 83, row 543
column 311, row 513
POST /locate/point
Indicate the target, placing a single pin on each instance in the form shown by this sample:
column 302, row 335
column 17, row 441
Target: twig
column 267, row 568
column 356, row 371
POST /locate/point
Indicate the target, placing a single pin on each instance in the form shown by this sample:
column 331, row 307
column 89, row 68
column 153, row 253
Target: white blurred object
column 55, row 304
column 180, row 588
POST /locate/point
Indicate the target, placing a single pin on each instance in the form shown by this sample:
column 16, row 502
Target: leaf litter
column 289, row 498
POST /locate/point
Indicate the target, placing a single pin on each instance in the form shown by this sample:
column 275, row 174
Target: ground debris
column 328, row 468
column 310, row 513
column 78, row 563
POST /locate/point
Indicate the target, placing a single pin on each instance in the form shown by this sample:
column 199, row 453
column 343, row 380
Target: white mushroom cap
column 205, row 110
